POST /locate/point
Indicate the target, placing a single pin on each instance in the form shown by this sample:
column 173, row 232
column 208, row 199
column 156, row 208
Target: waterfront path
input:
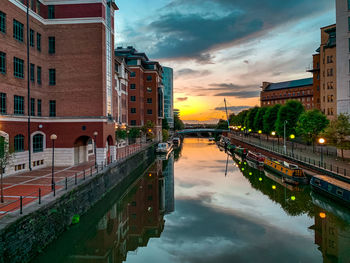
column 22, row 189
column 301, row 152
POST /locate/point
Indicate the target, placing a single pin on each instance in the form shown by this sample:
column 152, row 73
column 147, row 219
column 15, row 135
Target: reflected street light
column 53, row 137
column 95, row 135
column 321, row 141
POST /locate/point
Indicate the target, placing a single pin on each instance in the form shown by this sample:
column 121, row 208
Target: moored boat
column 290, row 173
column 332, row 187
column 257, row 158
column 176, row 141
column 164, row 147
column 241, row 151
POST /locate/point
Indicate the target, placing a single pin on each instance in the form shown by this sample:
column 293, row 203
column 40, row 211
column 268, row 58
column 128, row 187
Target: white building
column 343, row 56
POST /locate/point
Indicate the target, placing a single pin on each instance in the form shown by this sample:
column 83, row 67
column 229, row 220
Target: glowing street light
column 273, row 141
column 321, row 141
column 323, row 215
column 292, row 137
column 53, row 138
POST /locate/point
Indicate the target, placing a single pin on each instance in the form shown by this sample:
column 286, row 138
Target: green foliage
column 231, row 118
column 134, row 133
column 222, row 125
column 120, row 134
column 259, row 119
column 249, row 120
column 270, row 118
column 178, row 124
column 75, row 219
column 165, row 124
column 165, row 134
column 311, row 123
column 289, row 112
column 338, row 132
column 239, row 119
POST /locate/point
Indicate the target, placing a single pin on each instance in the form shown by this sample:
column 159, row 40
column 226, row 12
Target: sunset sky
column 224, row 48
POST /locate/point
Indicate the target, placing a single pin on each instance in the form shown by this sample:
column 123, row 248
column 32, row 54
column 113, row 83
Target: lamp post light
column 292, row 137
column 53, row 137
column 95, row 135
column 285, row 146
column 273, row 134
column 260, row 136
column 321, row 141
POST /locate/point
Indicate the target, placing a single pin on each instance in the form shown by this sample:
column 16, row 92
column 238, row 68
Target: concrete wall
column 24, row 238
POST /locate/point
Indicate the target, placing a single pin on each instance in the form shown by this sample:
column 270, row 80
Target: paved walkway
column 330, row 161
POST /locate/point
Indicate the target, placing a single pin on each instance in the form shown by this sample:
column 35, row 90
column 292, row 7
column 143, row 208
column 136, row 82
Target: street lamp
column 292, row 137
column 285, row 146
column 260, row 136
column 95, row 135
column 53, row 137
column 273, row 140
column 321, row 141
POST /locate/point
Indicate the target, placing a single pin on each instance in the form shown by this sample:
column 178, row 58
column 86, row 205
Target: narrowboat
column 241, row 151
column 280, row 181
column 176, row 141
column 290, row 173
column 332, row 187
column 256, row 158
column 164, row 147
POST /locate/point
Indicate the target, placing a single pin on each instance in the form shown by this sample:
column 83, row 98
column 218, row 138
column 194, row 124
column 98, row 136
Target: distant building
column 280, row 93
column 146, row 90
column 168, row 95
column 169, row 181
column 315, row 70
column 176, row 112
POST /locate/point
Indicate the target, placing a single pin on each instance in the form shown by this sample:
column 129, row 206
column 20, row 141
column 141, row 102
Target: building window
column 31, row 38
column 52, row 77
column 2, row 62
column 133, row 110
column 132, row 86
column 38, row 6
column 38, row 143
column 133, row 98
column 149, row 89
column 38, row 41
column 133, row 122
column 149, row 100
column 132, row 74
column 52, row 48
column 2, row 22
column 51, row 11
column 3, row 103
column 38, row 69
column 18, row 68
column 17, row 30
column 149, row 78
column 52, row 108
column 19, row 105
column 149, row 111
column 39, row 107
column 19, row 143
column 32, row 72
column 32, row 107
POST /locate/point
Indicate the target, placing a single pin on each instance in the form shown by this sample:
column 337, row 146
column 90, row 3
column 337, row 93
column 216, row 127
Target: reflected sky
column 224, row 219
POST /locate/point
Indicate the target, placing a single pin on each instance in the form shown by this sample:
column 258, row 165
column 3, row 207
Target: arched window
column 38, row 143
column 19, row 143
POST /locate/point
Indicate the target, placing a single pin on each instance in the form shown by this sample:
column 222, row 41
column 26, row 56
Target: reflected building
column 168, row 173
column 129, row 224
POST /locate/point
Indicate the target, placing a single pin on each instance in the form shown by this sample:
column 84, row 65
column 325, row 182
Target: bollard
column 331, row 168
column 319, row 163
column 84, row 174
column 314, row 162
column 39, row 195
column 91, row 171
column 75, row 178
column 309, row 160
column 66, row 182
column 344, row 171
column 337, row 169
column 21, row 204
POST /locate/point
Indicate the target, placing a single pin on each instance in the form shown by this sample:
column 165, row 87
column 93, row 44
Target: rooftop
column 290, row 84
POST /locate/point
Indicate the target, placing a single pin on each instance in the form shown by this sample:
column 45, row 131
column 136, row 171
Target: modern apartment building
column 168, row 80
column 343, row 56
column 281, row 92
column 328, row 79
column 146, row 90
column 67, row 87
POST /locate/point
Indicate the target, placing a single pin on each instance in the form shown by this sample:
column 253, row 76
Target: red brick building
column 280, row 93
column 146, row 95
column 71, row 80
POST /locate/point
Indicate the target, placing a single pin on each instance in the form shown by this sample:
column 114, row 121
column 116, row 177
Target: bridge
column 203, row 130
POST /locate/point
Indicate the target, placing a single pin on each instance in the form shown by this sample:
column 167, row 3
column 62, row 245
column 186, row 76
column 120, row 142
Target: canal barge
column 290, row 173
column 164, row 147
column 256, row 158
column 241, row 151
column 331, row 187
column 176, row 141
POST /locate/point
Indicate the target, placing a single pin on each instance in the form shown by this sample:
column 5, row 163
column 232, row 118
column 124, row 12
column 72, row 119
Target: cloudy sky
column 224, row 48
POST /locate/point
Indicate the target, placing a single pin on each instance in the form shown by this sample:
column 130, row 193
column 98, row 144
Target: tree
column 338, row 132
column 134, row 133
column 249, row 120
column 178, row 124
column 311, row 123
column 165, row 134
column 5, row 158
column 222, row 125
column 239, row 119
column 289, row 112
column 165, row 124
column 232, row 118
column 270, row 118
column 120, row 134
column 259, row 119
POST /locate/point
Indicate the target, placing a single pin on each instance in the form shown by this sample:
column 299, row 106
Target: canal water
column 201, row 205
